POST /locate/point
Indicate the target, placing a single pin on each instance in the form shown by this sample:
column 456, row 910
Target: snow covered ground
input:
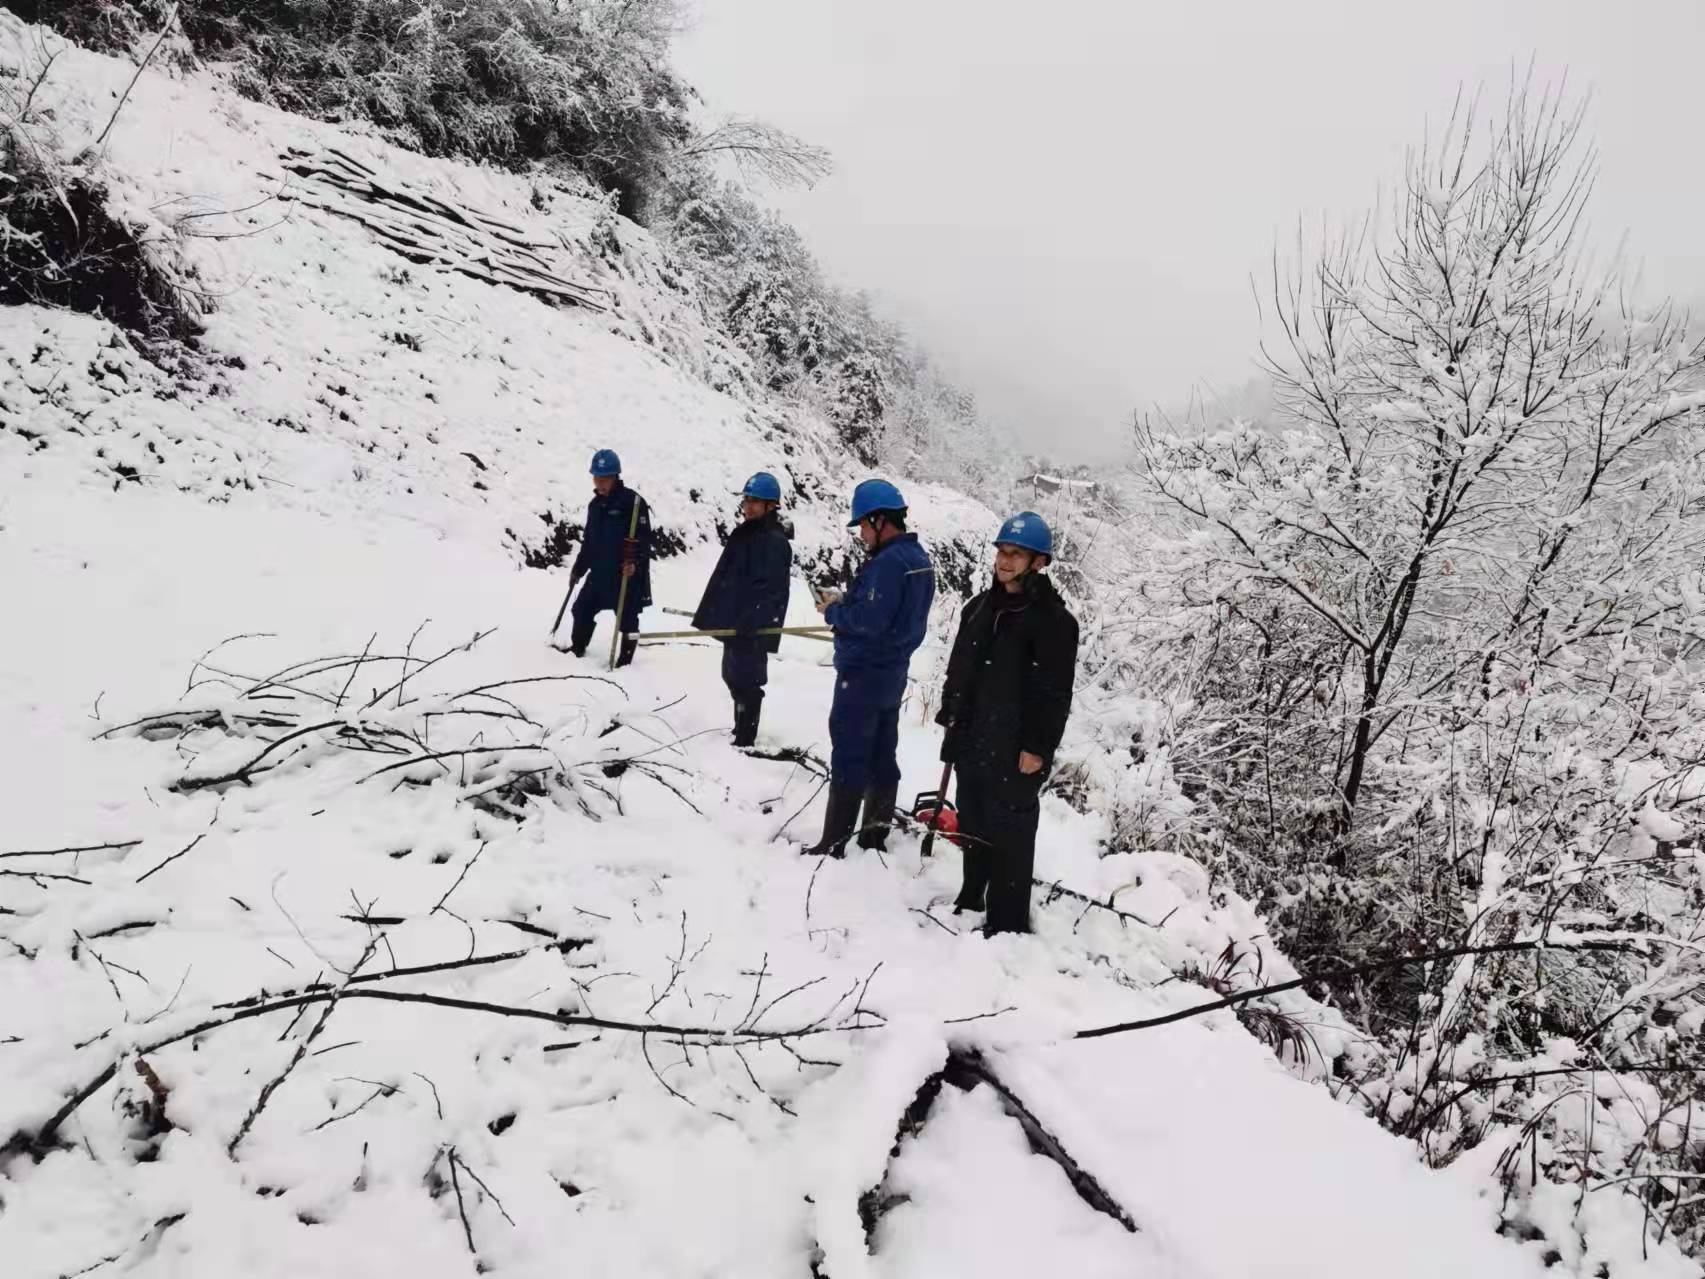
column 691, row 1048
column 683, row 1164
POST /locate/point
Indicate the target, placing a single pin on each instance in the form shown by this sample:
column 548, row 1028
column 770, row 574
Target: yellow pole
column 622, row 595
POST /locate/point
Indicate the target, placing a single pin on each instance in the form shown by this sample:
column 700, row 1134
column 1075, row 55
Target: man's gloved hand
column 630, row 556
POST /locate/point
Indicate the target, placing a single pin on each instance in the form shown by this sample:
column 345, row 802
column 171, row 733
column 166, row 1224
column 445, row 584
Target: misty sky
column 1065, row 200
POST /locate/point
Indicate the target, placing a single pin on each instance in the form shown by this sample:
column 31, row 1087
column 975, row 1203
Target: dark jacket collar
column 1035, row 589
column 771, row 523
column 904, row 537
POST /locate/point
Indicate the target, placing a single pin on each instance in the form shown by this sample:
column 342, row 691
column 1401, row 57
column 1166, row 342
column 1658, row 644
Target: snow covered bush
column 61, row 243
column 1440, row 622
column 581, row 82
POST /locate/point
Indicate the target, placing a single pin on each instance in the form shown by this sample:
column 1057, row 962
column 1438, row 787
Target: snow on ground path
column 585, row 1140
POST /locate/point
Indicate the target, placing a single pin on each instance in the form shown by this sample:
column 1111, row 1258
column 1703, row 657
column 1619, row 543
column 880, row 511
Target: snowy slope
column 766, row 1018
column 338, row 373
column 718, row 1180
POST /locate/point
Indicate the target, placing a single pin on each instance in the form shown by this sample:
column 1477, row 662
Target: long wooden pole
column 805, row 632
column 622, row 595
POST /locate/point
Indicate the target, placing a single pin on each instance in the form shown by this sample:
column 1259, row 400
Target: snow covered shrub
column 1439, row 618
column 510, row 81
column 108, row 26
column 60, row 242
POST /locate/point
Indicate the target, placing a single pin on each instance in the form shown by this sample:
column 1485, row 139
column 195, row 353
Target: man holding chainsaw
column 1008, row 694
column 616, row 548
column 747, row 593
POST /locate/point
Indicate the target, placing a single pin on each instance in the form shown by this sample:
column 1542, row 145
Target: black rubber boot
column 580, row 637
column 974, row 888
column 878, row 816
column 839, row 819
column 748, row 708
column 630, row 646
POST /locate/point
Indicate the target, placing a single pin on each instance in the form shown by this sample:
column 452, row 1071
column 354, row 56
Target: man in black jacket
column 746, row 593
column 1009, row 691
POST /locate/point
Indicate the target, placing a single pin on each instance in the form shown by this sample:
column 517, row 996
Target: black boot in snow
column 839, row 819
column 974, row 889
column 630, row 646
column 969, row 899
column 1009, row 907
column 747, row 712
column 878, row 817
column 580, row 637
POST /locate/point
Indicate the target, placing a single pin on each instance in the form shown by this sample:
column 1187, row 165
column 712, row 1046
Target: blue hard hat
column 605, row 462
column 872, row 496
column 763, row 486
column 1028, row 530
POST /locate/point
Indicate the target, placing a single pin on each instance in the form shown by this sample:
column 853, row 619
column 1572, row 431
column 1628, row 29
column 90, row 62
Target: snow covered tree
column 1442, row 614
column 1487, row 469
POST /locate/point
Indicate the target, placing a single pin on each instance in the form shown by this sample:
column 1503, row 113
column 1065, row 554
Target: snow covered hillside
column 347, row 928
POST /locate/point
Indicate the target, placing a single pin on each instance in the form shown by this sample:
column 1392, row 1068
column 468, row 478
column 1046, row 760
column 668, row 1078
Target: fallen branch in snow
column 1056, row 889
column 181, row 852
column 245, row 774
column 461, row 1207
column 791, row 755
column 478, row 853
column 538, row 679
column 397, row 687
column 966, row 1070
column 561, row 947
column 38, row 877
column 438, row 755
column 44, row 1138
column 277, row 1081
column 807, row 804
column 1613, row 944
column 182, row 722
column 86, row 848
column 426, row 229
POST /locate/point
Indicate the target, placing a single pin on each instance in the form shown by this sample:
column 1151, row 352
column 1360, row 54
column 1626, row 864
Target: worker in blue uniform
column 878, row 624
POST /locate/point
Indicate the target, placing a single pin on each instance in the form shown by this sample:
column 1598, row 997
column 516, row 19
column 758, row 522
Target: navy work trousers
column 745, row 667
column 589, row 603
column 864, row 728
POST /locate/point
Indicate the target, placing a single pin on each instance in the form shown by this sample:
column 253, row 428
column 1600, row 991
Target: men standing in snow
column 878, row 624
column 616, row 547
column 1008, row 693
column 746, row 593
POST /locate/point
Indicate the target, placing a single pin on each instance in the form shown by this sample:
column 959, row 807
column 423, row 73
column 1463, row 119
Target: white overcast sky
column 1064, row 200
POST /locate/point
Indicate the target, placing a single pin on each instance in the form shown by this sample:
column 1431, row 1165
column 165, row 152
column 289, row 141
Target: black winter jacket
column 748, row 589
column 600, row 558
column 1009, row 679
